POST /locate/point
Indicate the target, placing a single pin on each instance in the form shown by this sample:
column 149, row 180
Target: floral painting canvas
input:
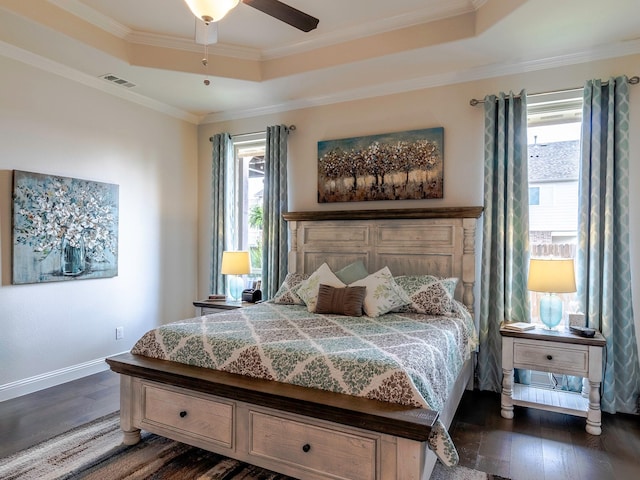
column 63, row 228
column 392, row 166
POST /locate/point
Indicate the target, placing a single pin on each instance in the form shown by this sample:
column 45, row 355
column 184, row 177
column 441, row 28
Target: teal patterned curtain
column 505, row 243
column 222, row 160
column 603, row 261
column 274, row 231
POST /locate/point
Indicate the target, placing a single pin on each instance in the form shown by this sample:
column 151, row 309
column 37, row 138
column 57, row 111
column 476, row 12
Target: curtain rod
column 290, row 128
column 633, row 80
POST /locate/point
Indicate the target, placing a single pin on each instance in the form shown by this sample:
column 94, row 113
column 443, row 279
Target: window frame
column 245, row 146
column 549, row 110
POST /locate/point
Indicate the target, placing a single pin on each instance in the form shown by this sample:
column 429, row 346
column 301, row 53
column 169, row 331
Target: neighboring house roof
column 554, row 161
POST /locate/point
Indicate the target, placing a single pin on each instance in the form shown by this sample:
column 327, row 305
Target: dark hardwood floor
column 31, row 419
column 541, row 445
column 534, row 445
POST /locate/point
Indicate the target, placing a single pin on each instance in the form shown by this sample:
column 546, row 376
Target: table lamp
column 235, row 264
column 551, row 276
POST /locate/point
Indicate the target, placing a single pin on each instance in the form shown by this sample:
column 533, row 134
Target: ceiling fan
column 214, row 10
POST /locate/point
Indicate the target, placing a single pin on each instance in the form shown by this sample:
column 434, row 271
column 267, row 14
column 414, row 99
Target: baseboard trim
column 51, row 379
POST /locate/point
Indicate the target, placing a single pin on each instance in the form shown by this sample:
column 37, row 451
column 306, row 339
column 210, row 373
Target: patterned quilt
column 406, row 358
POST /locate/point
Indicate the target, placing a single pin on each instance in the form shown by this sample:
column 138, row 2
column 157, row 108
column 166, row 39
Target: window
column 246, row 231
column 554, row 125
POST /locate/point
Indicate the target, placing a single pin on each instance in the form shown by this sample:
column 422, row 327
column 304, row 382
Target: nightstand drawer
column 569, row 359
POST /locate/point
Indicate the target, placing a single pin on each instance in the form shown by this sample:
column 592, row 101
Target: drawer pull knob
column 183, row 413
column 306, row 447
column 549, row 357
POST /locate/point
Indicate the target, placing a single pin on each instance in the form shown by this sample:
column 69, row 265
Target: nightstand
column 208, row 307
column 555, row 352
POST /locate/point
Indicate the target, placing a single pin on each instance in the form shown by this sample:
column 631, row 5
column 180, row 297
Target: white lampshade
column 235, row 263
column 551, row 275
column 211, row 10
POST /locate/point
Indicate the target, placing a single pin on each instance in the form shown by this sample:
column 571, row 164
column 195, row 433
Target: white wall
column 52, row 332
column 446, row 107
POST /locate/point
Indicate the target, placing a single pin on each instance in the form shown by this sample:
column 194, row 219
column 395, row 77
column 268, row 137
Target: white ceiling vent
column 117, row 80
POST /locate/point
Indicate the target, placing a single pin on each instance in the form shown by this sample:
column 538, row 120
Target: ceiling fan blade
column 285, row 13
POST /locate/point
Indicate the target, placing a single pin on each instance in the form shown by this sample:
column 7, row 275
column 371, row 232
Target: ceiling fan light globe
column 211, row 10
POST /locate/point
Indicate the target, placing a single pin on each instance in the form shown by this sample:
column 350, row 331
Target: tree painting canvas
column 63, row 228
column 393, row 166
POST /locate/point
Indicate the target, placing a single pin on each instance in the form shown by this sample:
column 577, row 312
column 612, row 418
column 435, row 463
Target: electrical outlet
column 119, row 333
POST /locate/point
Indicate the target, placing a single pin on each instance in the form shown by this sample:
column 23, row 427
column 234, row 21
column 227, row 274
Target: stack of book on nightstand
column 518, row 326
column 216, row 297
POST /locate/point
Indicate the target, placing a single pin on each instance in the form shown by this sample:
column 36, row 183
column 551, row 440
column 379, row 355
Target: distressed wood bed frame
column 307, row 433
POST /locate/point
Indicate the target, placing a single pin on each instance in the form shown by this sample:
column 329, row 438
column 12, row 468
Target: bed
column 300, row 428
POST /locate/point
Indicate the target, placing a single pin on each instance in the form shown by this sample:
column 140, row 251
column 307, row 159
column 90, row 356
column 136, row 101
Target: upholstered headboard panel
column 438, row 242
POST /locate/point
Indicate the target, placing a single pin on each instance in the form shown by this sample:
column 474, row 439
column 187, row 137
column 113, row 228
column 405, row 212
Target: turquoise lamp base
column 236, row 286
column 550, row 310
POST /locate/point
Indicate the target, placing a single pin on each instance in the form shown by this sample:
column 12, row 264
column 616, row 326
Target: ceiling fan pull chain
column 205, row 60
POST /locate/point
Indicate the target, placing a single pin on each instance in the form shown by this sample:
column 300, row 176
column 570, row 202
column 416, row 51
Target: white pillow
column 383, row 293
column 308, row 289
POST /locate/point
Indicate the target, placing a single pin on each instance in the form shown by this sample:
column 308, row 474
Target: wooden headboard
column 435, row 241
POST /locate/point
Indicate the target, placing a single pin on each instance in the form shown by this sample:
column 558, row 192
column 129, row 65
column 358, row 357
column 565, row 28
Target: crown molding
column 433, row 12
column 42, row 63
column 474, row 74
column 615, row 50
column 620, row 49
column 93, row 17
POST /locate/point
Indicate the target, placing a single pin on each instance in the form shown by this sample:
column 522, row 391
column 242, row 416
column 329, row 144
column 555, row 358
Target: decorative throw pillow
column 383, row 294
column 429, row 294
column 340, row 301
column 308, row 289
column 353, row 272
column 286, row 294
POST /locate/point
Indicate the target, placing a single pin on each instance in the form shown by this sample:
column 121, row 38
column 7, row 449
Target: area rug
column 95, row 451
